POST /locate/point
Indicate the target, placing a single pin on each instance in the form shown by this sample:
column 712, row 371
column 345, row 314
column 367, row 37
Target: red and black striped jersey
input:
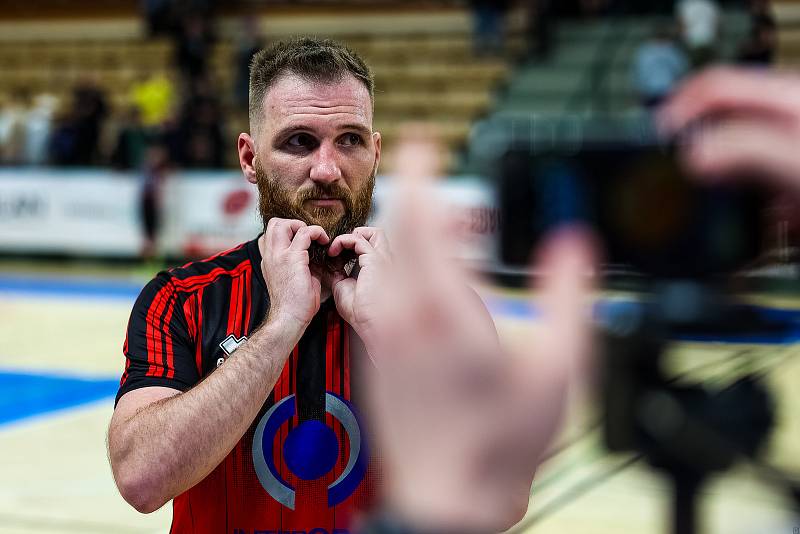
column 303, row 465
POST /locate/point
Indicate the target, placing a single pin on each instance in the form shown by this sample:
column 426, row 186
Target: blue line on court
column 25, row 394
column 787, row 320
column 79, row 287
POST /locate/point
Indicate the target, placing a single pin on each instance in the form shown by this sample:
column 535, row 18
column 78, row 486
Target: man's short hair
column 317, row 60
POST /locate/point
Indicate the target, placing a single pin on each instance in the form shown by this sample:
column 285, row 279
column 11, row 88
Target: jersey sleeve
column 159, row 344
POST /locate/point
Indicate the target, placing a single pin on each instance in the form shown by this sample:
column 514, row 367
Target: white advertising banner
column 96, row 213
column 206, row 212
column 68, row 212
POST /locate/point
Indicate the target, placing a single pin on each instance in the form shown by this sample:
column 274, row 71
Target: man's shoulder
column 192, row 276
column 230, row 262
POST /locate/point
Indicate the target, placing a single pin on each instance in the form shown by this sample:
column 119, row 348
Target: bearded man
column 236, row 399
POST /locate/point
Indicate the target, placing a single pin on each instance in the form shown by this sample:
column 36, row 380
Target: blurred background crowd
column 118, row 128
column 177, row 95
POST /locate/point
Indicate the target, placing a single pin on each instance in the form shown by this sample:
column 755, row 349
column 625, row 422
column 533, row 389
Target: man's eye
column 301, row 140
column 351, row 139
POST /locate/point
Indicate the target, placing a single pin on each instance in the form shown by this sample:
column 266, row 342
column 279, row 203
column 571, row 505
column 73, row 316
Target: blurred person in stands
column 489, row 20
column 541, row 20
column 759, row 49
column 198, row 140
column 699, row 22
column 194, row 43
column 658, row 66
column 39, row 124
column 154, row 96
column 132, row 140
column 159, row 15
column 248, row 42
column 154, row 173
column 13, row 117
column 76, row 140
column 262, row 344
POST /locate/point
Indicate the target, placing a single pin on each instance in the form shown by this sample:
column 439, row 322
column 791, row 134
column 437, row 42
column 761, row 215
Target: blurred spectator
column 193, row 46
column 159, row 16
column 155, row 171
column 540, row 27
column 489, row 23
column 699, row 22
column 593, row 8
column 248, row 43
column 155, row 99
column 659, row 65
column 13, row 116
column 759, row 49
column 198, row 140
column 62, row 142
column 76, row 140
column 129, row 151
column 38, row 128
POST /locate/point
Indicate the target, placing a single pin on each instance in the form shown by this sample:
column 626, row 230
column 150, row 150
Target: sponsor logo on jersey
column 229, row 346
column 310, row 451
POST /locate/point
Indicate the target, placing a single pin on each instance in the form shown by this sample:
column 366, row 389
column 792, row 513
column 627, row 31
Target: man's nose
column 326, row 167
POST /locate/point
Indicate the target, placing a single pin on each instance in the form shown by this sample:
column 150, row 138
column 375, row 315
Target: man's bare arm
column 160, row 449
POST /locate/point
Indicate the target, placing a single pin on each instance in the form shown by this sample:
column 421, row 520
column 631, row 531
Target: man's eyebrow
column 283, row 132
column 357, row 127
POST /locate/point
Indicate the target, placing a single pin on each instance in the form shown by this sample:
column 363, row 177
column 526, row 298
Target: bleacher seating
column 424, row 66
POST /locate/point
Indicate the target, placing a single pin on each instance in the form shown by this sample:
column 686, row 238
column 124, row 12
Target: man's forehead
column 295, row 99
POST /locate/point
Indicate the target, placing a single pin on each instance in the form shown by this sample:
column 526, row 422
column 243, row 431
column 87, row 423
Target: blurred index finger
column 722, row 90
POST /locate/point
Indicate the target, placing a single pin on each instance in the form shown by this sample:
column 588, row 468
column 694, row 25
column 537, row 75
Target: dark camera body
column 652, row 217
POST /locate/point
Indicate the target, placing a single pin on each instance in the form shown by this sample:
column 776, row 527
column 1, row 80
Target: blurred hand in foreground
column 740, row 121
column 462, row 422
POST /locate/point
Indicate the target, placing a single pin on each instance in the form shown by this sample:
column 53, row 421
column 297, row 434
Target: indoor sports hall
column 83, row 86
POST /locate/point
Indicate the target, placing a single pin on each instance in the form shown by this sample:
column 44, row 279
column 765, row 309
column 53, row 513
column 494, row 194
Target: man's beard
column 275, row 200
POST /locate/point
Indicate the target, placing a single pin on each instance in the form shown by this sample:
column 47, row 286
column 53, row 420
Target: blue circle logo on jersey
column 310, row 450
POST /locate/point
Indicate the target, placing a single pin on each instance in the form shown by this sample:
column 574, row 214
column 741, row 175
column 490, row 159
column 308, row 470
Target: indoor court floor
column 61, row 357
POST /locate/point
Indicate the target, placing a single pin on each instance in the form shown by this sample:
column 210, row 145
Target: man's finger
column 305, row 235
column 566, row 267
column 723, row 90
column 376, row 238
column 279, row 232
column 356, row 243
column 746, row 147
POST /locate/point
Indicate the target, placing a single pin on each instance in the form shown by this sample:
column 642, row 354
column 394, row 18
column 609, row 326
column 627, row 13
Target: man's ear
column 377, row 137
column 247, row 156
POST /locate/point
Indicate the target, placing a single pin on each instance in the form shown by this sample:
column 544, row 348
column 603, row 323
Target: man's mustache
column 326, row 192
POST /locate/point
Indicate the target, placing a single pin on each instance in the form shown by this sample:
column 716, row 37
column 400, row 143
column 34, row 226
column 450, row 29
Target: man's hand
column 462, row 422
column 740, row 121
column 356, row 298
column 294, row 291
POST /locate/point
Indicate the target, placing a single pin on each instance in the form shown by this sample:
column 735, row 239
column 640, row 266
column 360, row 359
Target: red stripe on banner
column 198, row 355
column 169, row 371
column 154, row 313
